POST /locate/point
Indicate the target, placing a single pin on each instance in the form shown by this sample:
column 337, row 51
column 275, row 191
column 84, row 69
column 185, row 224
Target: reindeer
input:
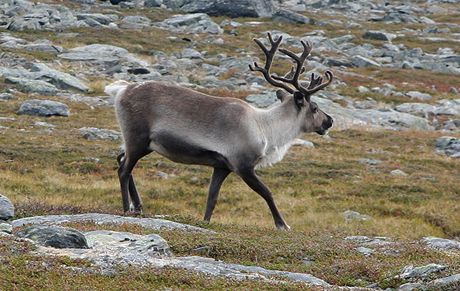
column 227, row 134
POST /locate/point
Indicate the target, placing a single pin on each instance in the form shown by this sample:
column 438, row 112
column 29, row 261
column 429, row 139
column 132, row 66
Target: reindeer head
column 315, row 120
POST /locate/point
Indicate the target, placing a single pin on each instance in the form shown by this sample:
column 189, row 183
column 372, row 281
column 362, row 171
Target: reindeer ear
column 299, row 99
column 281, row 95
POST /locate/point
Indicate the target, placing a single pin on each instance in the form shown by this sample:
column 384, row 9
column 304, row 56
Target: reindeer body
column 227, row 134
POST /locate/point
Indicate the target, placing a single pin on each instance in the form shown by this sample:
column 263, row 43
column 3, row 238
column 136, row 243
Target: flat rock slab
column 100, row 218
column 38, row 107
column 441, row 243
column 110, row 249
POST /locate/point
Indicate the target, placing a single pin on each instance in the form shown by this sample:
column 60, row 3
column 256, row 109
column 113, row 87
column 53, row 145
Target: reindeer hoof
column 283, row 227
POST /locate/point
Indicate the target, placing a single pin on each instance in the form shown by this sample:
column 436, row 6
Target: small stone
column 55, row 236
column 6, row 96
column 161, row 175
column 371, row 162
column 420, row 272
column 153, row 3
column 365, row 251
column 449, row 146
column 362, row 89
column 398, row 172
column 410, row 287
column 419, row 95
column 379, row 35
column 6, row 208
column 6, row 227
column 93, row 133
column 189, row 53
column 33, row 86
column 354, row 215
column 362, row 62
column 441, row 243
column 446, row 281
column 43, row 108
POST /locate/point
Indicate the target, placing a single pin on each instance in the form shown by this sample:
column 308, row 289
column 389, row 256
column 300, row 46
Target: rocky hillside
column 373, row 205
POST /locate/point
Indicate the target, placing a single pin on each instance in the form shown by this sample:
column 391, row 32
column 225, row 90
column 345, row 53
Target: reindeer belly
column 179, row 149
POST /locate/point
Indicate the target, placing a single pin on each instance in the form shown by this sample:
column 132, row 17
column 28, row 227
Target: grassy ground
column 51, row 172
column 54, row 172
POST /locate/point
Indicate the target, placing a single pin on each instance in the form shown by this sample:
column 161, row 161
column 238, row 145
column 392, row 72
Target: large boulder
column 33, row 86
column 6, row 208
column 191, row 23
column 43, row 108
column 54, row 236
column 59, row 79
column 449, row 146
column 230, row 8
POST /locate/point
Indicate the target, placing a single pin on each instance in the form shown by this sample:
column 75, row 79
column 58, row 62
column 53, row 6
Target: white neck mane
column 280, row 125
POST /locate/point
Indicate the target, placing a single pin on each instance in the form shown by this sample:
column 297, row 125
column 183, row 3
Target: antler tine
column 314, row 81
column 320, row 85
column 269, row 54
column 307, row 47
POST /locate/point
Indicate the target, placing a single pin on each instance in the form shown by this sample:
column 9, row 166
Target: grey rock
column 410, row 287
column 378, row 35
column 419, row 95
column 93, row 133
column 43, row 108
column 189, row 53
column 363, row 89
column 441, row 243
column 33, row 86
column 420, row 272
column 54, row 236
column 96, row 19
column 100, row 218
column 110, row 249
column 370, row 241
column 362, row 62
column 371, row 162
column 43, row 45
column 135, row 22
column 6, row 96
column 448, row 107
column 419, row 109
column 365, row 251
column 191, row 23
column 337, row 62
column 348, row 117
column 59, row 79
column 230, row 8
column 5, row 227
column 95, row 52
column 285, row 15
column 450, row 281
column 153, row 3
column 262, row 100
column 354, row 215
column 398, row 172
column 6, row 208
column 449, row 146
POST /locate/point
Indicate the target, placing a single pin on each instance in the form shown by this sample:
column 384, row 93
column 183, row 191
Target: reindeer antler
column 269, row 54
column 316, row 83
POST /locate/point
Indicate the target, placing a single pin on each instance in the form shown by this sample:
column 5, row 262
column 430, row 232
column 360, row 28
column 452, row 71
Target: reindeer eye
column 313, row 107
